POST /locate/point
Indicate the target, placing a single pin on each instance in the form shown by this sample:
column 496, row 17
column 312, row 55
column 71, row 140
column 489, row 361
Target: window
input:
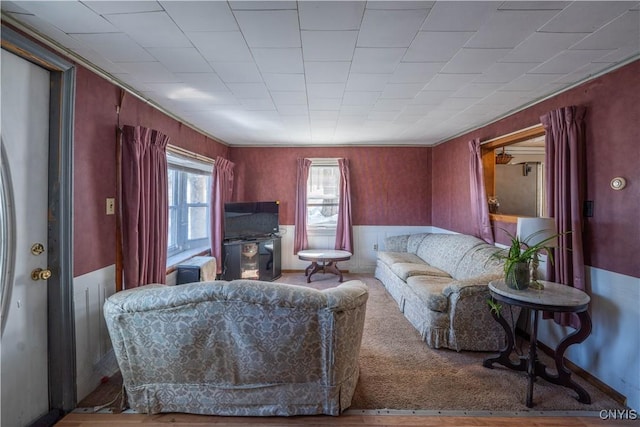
column 189, row 188
column 323, row 194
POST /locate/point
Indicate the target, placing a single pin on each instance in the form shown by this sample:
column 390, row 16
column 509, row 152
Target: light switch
column 111, row 206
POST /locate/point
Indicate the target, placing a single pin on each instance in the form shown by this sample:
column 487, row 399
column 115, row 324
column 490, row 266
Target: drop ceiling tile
column 397, row 4
column 397, row 104
column 623, row 31
column 360, row 111
column 181, row 59
column 269, row 28
column 415, row 72
column 151, row 29
column 249, row 90
column 459, row 15
column 284, row 82
column 458, row 104
column 324, row 103
column 477, row 90
column 367, row 82
column 530, row 82
column 385, row 116
column 507, row 28
column 360, row 98
column 431, row 97
column 260, row 104
column 201, row 15
column 449, row 81
column 473, row 60
column 330, row 15
column 401, row 90
column 289, row 98
column 176, row 91
column 283, row 60
column 418, row 110
column 237, row 72
column 621, row 54
column 436, row 46
column 568, row 61
column 585, row 16
column 109, row 7
column 149, row 72
column 203, row 81
column 11, row 7
column 92, row 57
column 390, row 28
column 534, row 5
column 262, row 5
column 75, row 17
column 325, row 90
column 328, row 45
column 117, row 47
column 539, row 47
column 376, row 60
column 221, row 46
column 326, row 72
column 504, row 72
column 293, row 110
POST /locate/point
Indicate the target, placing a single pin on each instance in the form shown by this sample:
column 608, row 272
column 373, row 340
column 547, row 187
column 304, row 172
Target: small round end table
column 325, row 260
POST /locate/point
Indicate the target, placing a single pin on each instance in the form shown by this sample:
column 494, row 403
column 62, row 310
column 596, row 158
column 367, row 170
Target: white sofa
column 238, row 348
column 440, row 282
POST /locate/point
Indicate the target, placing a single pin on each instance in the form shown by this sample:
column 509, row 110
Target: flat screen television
column 249, row 220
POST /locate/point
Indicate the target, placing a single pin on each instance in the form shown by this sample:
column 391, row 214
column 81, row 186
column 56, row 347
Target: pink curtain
column 221, row 191
column 344, row 229
column 145, row 208
column 300, row 241
column 479, row 203
column 565, row 180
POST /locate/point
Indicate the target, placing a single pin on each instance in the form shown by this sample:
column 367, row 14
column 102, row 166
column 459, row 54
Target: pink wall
column 95, row 161
column 389, row 186
column 612, row 235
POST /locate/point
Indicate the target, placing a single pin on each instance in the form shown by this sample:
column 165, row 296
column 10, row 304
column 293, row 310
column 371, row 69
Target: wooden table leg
column 563, row 376
column 503, row 358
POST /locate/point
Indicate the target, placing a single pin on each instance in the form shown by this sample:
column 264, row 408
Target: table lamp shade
column 535, row 230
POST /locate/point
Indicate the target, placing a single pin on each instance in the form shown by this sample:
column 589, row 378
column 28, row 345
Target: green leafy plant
column 521, row 251
column 495, row 307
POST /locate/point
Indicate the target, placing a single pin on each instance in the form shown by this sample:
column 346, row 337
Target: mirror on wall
column 514, row 173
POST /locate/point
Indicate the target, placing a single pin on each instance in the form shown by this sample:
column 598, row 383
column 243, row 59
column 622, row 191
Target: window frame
column 184, row 166
column 323, row 163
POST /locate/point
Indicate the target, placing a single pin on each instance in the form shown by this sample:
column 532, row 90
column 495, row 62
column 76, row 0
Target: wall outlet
column 375, row 246
column 111, row 206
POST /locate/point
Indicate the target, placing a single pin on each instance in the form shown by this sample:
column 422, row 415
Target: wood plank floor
column 345, row 420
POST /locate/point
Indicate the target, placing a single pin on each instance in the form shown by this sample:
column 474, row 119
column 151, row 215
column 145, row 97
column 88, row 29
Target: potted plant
column 521, row 256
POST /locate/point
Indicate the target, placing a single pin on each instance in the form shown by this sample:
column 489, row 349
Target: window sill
column 175, row 260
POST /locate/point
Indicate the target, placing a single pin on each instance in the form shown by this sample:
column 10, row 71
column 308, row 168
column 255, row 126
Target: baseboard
column 577, row 370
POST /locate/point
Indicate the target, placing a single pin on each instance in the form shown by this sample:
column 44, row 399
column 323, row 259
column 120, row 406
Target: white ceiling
column 340, row 72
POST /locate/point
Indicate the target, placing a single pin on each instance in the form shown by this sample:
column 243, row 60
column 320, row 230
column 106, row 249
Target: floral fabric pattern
column 239, row 347
column 444, row 292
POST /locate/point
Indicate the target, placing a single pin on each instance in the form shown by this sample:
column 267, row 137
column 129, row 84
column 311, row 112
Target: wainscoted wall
column 366, row 239
column 611, row 352
column 94, row 354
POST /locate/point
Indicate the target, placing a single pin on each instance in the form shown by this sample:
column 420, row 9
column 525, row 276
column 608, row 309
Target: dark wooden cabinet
column 255, row 259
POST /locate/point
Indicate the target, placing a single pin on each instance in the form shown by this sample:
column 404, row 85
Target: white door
column 25, row 141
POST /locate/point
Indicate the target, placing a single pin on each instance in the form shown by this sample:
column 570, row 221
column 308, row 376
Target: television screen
column 247, row 220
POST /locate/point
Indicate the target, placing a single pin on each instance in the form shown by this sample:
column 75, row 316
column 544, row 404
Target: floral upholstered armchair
column 238, row 348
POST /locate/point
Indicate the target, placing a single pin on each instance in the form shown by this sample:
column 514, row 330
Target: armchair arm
column 471, row 286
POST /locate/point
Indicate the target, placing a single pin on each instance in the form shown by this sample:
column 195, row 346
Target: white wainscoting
column 94, row 353
column 610, row 353
column 367, row 240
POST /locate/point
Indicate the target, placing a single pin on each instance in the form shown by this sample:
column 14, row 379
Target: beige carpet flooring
column 399, row 371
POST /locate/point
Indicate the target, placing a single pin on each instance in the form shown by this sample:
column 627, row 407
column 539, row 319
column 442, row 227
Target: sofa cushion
column 391, row 258
column 444, row 251
column 429, row 290
column 479, row 261
column 407, row 269
column 414, row 241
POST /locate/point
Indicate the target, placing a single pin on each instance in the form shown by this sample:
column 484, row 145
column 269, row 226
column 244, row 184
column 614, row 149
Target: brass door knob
column 40, row 274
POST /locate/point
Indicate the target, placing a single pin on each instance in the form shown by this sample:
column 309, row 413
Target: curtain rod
column 186, row 153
